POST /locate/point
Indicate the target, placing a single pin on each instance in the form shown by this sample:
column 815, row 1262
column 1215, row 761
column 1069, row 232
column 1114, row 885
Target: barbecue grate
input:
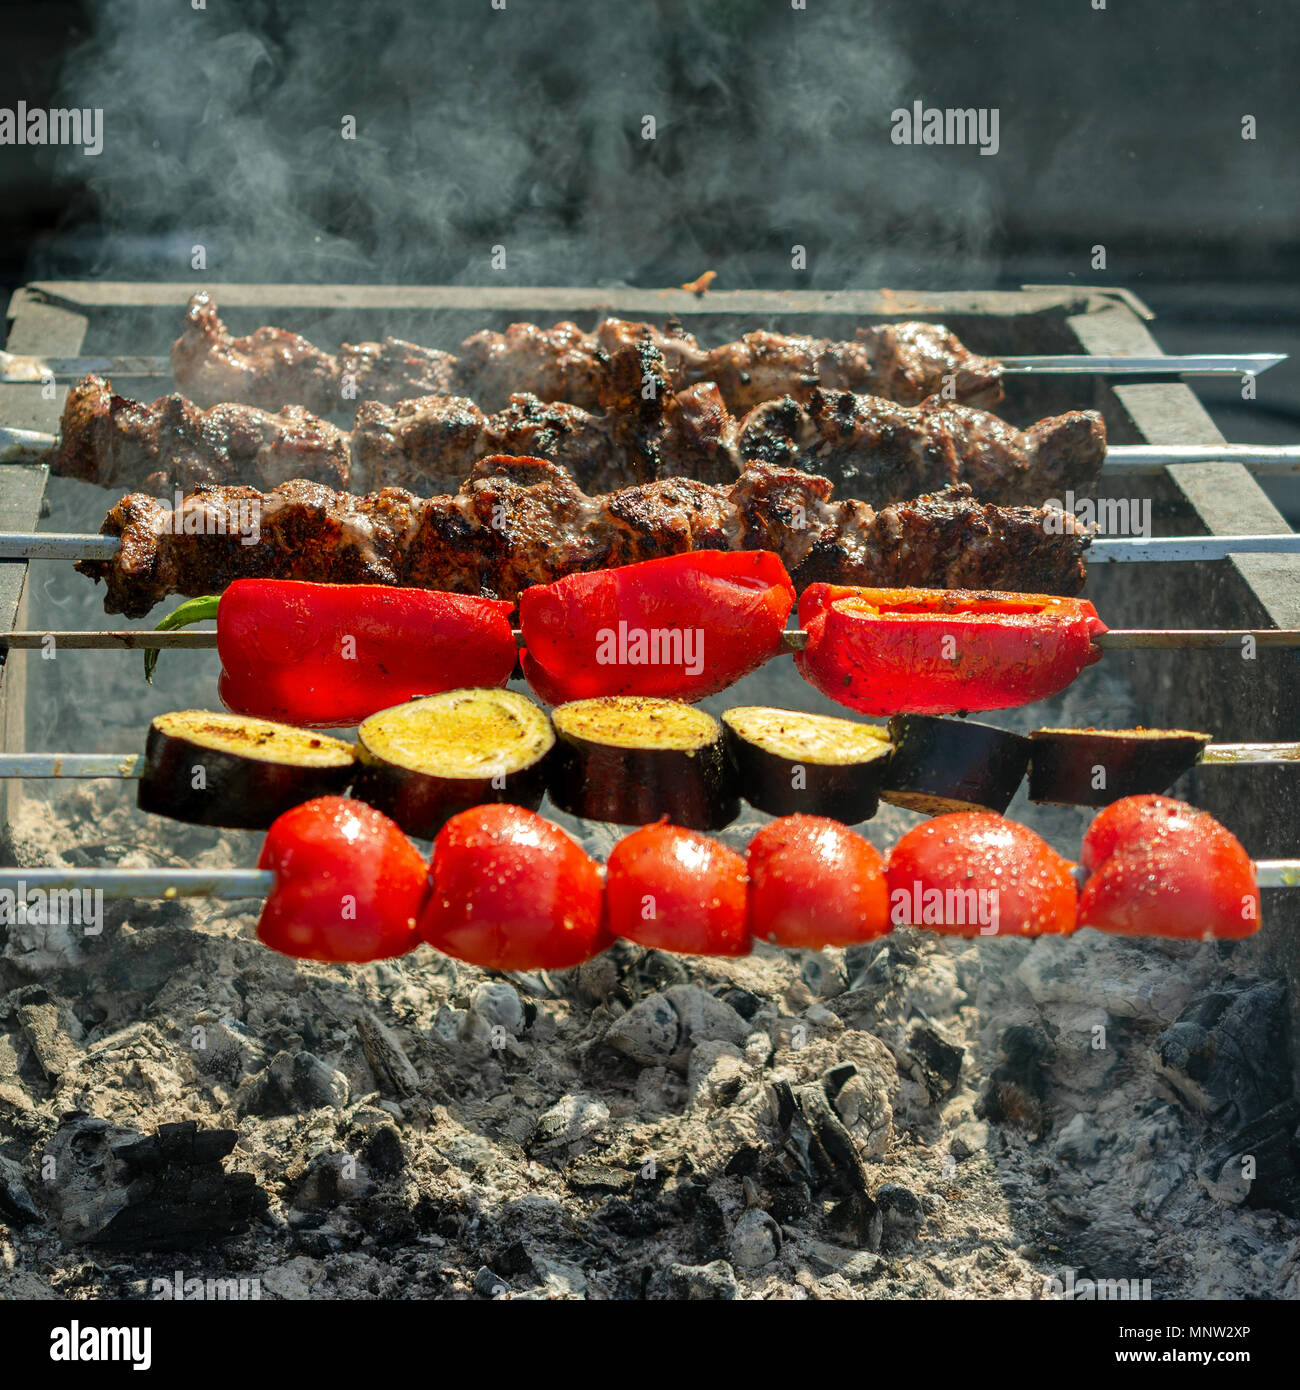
column 1240, row 700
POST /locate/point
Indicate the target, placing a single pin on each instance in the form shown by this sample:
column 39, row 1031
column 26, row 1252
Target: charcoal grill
column 1238, row 699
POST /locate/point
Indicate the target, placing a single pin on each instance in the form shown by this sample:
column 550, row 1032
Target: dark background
column 478, row 127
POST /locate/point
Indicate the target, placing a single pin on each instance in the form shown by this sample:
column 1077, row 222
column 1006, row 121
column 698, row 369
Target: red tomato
column 1135, row 819
column 938, row 651
column 675, row 890
column 683, row 626
column 974, row 873
column 511, row 891
column 348, row 884
column 1163, row 868
column 814, row 883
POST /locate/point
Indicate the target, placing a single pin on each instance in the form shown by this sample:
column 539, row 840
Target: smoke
column 523, row 128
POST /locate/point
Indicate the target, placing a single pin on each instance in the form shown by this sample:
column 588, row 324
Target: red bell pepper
column 683, row 626
column 511, row 891
column 974, row 873
column 322, row 655
column 348, row 884
column 1162, row 868
column 942, row 651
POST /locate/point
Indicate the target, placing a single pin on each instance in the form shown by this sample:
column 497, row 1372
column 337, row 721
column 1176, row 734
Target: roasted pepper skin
column 942, row 651
column 1159, row 867
column 683, row 626
column 331, row 655
column 349, row 885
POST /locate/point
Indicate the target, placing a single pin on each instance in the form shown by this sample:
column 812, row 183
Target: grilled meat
column 270, row 367
column 876, row 450
column 118, row 442
column 516, row 522
column 873, row 450
column 903, row 362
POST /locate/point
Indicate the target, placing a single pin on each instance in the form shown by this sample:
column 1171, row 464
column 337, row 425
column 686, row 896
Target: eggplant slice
column 424, row 761
column 229, row 770
column 789, row 762
column 631, row 759
column 942, row 765
column 1093, row 767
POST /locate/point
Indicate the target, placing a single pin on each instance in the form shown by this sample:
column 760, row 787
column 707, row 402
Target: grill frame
column 1236, row 699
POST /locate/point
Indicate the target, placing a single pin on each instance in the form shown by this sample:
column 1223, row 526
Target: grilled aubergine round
column 632, row 759
column 1093, row 767
column 424, row 761
column 942, row 765
column 789, row 762
column 230, row 770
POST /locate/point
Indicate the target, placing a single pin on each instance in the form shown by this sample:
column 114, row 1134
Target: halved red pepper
column 324, row 655
column 942, row 651
column 683, row 626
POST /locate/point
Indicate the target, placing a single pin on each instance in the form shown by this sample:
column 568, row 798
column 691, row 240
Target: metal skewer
column 205, row 639
column 257, row 883
column 127, row 767
column 1122, row 460
column 1195, row 364
column 17, row 368
column 54, row 545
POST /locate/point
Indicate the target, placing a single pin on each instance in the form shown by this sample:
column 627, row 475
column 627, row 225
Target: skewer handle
column 142, row 883
column 22, row 369
column 26, row 446
column 1168, row 549
column 119, row 765
column 1195, row 364
column 1140, row 460
column 55, row 545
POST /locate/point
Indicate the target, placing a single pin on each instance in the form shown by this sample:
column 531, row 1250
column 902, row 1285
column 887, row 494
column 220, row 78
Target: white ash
column 640, row 1127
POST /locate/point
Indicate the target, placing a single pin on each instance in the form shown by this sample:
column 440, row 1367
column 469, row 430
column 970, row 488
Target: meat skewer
column 519, row 522
column 874, row 450
column 902, row 362
column 272, row 367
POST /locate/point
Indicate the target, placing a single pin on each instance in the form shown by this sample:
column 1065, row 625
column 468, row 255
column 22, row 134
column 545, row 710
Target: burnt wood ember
column 873, row 449
column 166, row 1191
column 904, row 362
column 518, row 522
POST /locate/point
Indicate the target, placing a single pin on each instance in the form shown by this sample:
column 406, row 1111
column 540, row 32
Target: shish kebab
column 872, row 449
column 516, row 523
column 904, row 362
